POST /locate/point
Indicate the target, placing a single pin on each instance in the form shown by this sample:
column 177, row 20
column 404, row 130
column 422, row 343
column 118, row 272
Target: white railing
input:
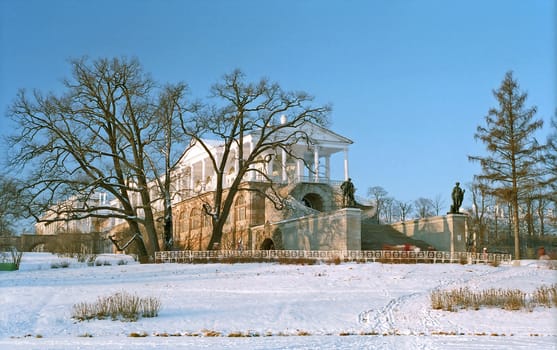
column 194, row 256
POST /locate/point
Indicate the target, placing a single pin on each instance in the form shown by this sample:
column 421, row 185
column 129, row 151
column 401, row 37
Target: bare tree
column 169, row 112
column 438, row 204
column 100, row 134
column 508, row 135
column 379, row 197
column 550, row 161
column 240, row 109
column 481, row 199
column 424, row 207
column 541, row 201
column 389, row 209
column 11, row 205
column 405, row 208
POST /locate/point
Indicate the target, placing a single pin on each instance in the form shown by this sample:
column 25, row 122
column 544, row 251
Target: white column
column 270, row 167
column 284, row 177
column 316, row 162
column 346, row 176
column 192, row 183
column 328, row 167
column 236, row 161
column 252, row 173
column 203, row 177
column 300, row 169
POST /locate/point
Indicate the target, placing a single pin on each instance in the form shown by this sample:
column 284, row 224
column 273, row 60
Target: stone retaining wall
column 447, row 233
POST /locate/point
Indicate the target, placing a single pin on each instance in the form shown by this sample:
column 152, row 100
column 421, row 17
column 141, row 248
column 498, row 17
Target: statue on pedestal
column 457, row 196
column 348, row 190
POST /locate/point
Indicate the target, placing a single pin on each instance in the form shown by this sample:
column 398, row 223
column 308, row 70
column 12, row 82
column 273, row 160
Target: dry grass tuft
column 137, row 335
column 211, row 333
column 236, row 335
column 119, row 306
column 508, row 299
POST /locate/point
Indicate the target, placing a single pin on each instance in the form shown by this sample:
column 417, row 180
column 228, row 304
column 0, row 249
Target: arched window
column 240, row 209
column 195, row 219
column 206, row 220
column 182, row 222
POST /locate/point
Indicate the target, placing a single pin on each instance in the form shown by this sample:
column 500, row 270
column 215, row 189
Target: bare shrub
column 119, row 306
column 545, row 296
column 82, row 312
column 510, row 299
column 150, row 307
column 514, row 299
column 11, row 256
column 16, row 257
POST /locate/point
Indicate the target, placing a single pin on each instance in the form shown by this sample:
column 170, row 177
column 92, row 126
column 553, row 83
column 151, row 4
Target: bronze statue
column 348, row 190
column 457, row 196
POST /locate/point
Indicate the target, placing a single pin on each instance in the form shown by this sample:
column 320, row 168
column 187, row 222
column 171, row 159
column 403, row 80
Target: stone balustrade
column 385, row 256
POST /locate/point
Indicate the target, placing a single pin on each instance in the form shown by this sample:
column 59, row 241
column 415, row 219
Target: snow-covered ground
column 346, row 306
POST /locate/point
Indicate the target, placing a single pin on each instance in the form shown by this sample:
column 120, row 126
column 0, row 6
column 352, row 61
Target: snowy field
column 346, row 306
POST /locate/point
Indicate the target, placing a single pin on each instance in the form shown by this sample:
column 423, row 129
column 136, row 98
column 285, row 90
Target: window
column 182, row 223
column 240, row 210
column 195, row 219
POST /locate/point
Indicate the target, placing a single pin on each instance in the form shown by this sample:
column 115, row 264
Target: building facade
column 302, row 175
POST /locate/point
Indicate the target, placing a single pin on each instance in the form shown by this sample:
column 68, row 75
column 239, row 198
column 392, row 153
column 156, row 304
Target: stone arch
column 319, row 196
column 29, row 242
column 313, row 201
column 267, row 244
column 38, row 248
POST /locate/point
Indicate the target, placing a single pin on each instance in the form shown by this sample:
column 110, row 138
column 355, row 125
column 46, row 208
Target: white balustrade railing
column 196, row 256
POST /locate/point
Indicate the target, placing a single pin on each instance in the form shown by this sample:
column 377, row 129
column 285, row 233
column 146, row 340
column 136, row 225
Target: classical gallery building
column 303, row 177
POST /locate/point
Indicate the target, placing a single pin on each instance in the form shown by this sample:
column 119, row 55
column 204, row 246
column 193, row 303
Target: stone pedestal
column 339, row 230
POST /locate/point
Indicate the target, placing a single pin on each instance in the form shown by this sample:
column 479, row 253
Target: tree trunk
column 152, row 243
column 143, row 254
column 216, row 235
column 168, row 239
column 516, row 229
column 541, row 217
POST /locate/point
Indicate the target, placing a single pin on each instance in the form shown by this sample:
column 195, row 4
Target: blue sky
column 409, row 81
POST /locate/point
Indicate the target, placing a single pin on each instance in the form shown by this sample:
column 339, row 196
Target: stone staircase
column 375, row 236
